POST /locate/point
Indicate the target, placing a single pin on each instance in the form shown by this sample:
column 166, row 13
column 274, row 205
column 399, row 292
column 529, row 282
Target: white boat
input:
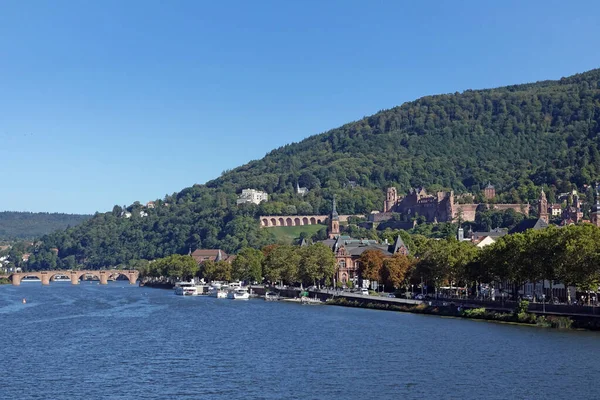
column 271, row 296
column 186, row 289
column 240, row 293
column 218, row 292
column 308, row 300
column 61, row 278
column 30, row 278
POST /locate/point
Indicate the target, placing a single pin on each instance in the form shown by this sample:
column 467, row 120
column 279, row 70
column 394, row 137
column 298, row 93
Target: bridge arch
column 265, row 222
column 313, row 221
column 117, row 274
column 304, row 221
column 297, row 222
column 79, row 274
column 27, row 275
column 273, row 222
column 288, row 222
column 281, row 222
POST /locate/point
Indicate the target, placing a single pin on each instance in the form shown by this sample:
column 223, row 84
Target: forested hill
column 518, row 137
column 540, row 133
column 26, row 225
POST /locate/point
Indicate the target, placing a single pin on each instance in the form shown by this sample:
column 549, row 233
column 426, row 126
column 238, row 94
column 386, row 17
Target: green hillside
column 518, row 137
column 27, row 225
column 291, row 234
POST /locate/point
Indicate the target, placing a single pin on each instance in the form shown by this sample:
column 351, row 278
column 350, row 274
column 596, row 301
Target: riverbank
column 5, row 281
column 521, row 318
column 453, row 309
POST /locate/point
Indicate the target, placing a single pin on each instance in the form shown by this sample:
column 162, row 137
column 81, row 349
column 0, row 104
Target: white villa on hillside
column 252, row 196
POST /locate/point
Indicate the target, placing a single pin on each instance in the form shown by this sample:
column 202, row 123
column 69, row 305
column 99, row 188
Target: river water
column 125, row 342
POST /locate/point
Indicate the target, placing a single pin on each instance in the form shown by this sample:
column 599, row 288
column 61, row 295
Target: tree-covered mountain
column 518, row 137
column 27, row 225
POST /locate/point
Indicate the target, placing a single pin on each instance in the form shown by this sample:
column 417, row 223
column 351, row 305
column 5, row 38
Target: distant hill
column 26, row 225
column 520, row 138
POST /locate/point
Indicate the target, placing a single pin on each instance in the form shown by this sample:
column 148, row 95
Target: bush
column 526, row 318
column 543, row 322
column 560, row 322
column 475, row 313
column 522, row 307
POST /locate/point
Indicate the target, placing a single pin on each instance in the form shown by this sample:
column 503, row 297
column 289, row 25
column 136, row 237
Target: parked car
column 364, row 292
column 391, row 295
column 420, row 296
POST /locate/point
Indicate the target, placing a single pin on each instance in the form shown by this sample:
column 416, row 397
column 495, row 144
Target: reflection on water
column 123, row 342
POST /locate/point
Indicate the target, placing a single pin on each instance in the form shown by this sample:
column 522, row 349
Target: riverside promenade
column 498, row 306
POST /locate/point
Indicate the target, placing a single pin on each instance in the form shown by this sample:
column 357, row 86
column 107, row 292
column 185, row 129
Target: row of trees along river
column 569, row 255
column 274, row 263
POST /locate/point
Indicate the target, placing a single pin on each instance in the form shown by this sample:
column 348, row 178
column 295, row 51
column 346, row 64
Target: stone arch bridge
column 47, row 276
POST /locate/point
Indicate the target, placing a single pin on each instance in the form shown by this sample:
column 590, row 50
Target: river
column 124, row 342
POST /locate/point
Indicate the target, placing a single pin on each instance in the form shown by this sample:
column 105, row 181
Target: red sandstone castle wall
column 466, row 211
column 520, row 208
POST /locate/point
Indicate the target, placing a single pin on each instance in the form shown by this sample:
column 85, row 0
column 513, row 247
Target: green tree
column 281, row 264
column 317, row 263
column 247, row 266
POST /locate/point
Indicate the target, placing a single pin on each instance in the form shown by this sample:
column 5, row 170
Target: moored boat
column 219, row 292
column 186, row 289
column 271, row 296
column 240, row 293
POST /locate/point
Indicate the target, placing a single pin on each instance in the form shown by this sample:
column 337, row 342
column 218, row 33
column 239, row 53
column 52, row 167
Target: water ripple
column 123, row 342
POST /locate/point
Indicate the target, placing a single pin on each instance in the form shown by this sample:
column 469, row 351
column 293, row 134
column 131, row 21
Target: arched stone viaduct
column 269, row 221
column 291, row 220
column 47, row 276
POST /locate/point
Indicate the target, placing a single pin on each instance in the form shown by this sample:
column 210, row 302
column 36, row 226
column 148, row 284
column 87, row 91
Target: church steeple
column 543, row 207
column 334, row 221
column 334, row 213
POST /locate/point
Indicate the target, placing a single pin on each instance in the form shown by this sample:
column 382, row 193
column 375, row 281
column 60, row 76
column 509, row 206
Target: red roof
column 208, row 254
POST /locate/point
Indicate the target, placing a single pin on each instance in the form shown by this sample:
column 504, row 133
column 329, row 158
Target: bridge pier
column 74, row 278
column 103, row 278
column 45, row 278
column 132, row 275
column 16, row 280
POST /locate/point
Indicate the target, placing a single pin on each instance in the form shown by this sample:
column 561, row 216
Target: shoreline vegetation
column 519, row 316
column 5, row 281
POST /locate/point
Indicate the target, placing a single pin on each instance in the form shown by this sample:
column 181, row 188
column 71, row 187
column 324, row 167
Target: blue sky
column 109, row 102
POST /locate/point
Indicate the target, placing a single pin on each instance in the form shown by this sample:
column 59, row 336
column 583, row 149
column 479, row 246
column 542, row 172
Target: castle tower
column 334, row 222
column 489, row 192
column 390, row 200
column 595, row 213
column 543, row 207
